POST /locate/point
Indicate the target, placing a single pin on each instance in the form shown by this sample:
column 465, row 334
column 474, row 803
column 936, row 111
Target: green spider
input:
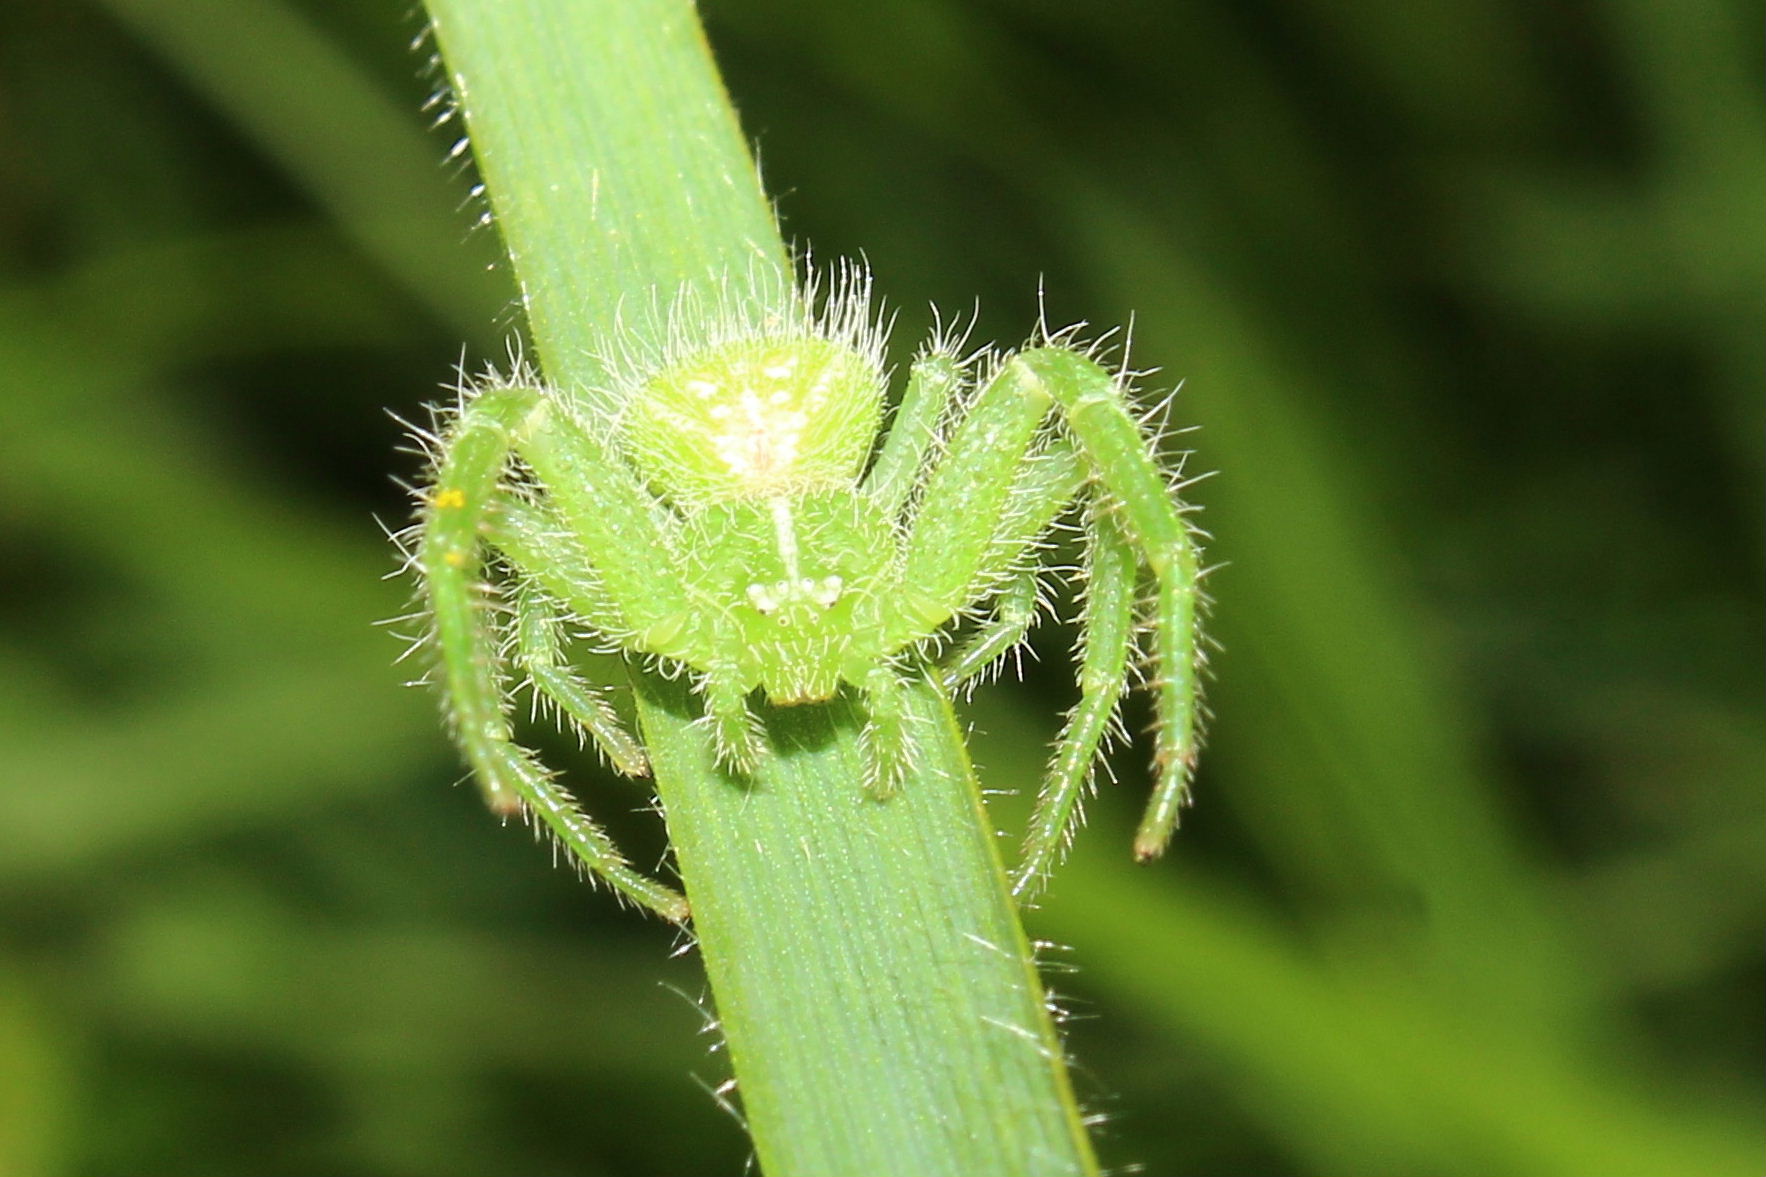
column 722, row 509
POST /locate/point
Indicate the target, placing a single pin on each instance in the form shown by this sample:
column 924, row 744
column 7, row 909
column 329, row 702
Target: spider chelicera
column 717, row 509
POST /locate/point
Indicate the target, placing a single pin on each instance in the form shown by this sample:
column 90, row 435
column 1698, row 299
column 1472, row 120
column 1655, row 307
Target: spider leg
column 1123, row 461
column 465, row 484
column 954, row 556
column 1013, row 611
column 581, row 834
column 990, row 471
column 510, row 776
column 1045, row 484
column 534, row 540
column 888, row 739
column 932, row 386
column 1107, row 639
column 734, row 728
column 619, row 554
column 1020, row 492
column 626, row 535
column 539, row 650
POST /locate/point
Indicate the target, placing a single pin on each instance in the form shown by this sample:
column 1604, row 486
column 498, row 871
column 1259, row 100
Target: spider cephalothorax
column 723, row 508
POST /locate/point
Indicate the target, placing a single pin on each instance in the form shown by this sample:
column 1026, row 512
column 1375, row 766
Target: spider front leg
column 465, row 483
column 625, row 535
column 1123, row 462
column 932, row 386
column 1045, row 485
column 511, row 777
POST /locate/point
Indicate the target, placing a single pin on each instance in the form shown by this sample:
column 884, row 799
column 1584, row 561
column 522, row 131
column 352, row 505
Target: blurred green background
column 1468, row 303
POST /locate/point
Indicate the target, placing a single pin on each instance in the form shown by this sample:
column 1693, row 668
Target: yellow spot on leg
column 450, row 498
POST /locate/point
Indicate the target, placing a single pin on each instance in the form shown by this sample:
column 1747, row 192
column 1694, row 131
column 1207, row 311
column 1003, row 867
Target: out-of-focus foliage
column 1468, row 299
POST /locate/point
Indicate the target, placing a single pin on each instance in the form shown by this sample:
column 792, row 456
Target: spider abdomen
column 755, row 417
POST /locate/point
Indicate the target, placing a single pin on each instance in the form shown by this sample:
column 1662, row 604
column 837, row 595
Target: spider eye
column 827, row 592
column 763, row 598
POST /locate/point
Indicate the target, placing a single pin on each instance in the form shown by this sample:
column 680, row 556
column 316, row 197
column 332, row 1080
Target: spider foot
column 735, row 732
column 888, row 742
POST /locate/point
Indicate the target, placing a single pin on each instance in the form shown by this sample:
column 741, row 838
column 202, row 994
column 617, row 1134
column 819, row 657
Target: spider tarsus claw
column 880, row 788
column 883, row 771
column 1150, row 847
column 503, row 804
column 740, row 757
column 735, row 743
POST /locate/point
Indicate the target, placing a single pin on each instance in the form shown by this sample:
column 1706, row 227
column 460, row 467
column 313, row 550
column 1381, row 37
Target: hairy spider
column 710, row 509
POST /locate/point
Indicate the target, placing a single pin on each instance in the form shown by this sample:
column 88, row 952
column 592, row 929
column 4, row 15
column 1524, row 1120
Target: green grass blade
column 871, row 978
column 612, row 160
